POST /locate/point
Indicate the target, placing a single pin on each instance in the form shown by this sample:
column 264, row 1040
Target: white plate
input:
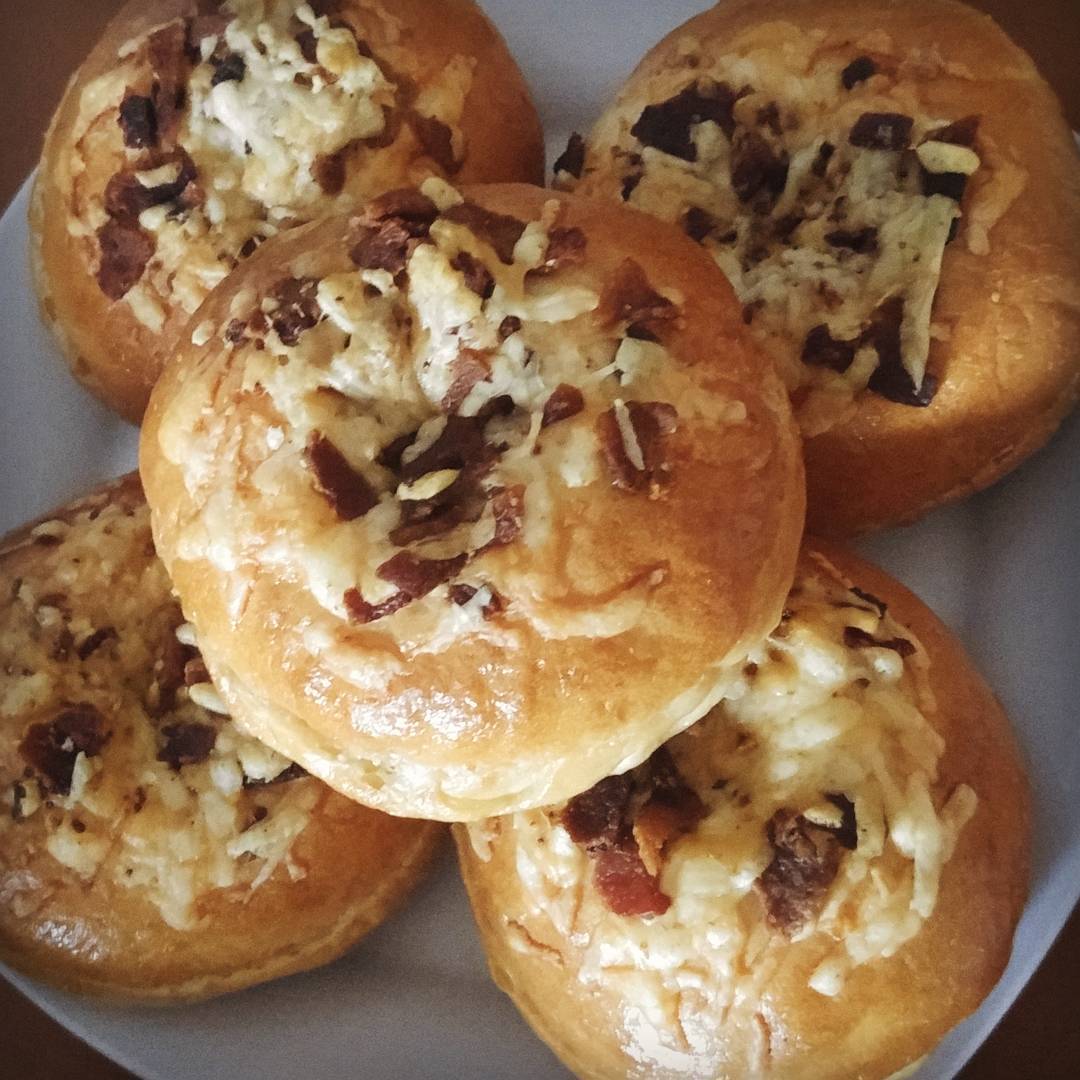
column 414, row 999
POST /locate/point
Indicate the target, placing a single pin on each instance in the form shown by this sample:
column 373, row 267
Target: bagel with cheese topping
column 817, row 880
column 469, row 507
column 196, row 129
column 894, row 193
column 149, row 850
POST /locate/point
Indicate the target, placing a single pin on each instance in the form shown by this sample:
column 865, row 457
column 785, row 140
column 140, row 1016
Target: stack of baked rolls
column 485, row 504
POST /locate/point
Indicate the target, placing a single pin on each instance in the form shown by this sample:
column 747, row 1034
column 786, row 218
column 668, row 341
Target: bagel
column 468, row 507
column 816, row 881
column 149, row 851
column 195, row 129
column 894, row 192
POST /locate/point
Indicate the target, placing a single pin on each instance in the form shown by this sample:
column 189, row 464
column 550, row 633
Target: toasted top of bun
column 895, row 195
column 148, row 848
column 193, row 132
column 816, row 880
column 479, row 506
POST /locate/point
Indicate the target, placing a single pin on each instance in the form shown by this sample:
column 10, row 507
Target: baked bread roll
column 895, row 195
column 469, row 508
column 817, row 880
column 148, row 849
column 198, row 128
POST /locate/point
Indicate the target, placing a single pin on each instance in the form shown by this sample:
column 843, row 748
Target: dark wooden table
column 44, row 40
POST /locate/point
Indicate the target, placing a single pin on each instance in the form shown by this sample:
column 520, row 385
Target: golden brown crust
column 1008, row 304
column 889, row 1012
column 115, row 354
column 90, row 928
column 571, row 688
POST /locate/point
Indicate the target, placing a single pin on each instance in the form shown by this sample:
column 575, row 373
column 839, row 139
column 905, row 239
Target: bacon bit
column 89, row 645
column 186, row 743
column 847, row 832
column 461, row 594
column 414, row 578
column 195, row 672
column 306, row 40
column 566, row 247
column 501, row 231
column 387, row 247
column 125, row 251
column 169, row 673
column 477, row 275
column 959, row 133
column 572, row 159
column 347, row 491
column 756, row 169
column 629, row 298
column 859, row 70
column 469, row 367
column 460, row 445
column 821, row 161
column 436, row 140
column 297, row 310
column 653, row 801
column 565, row 401
column 951, row 185
column 854, row 638
column 412, row 208
column 509, row 326
column 137, row 120
column 667, row 125
column 650, row 422
column 166, row 49
column 861, row 241
column 890, row 378
column 125, row 197
column 698, row 223
column 768, row 116
column 328, row 171
column 50, row 748
column 821, row 349
column 228, row 68
column 508, row 506
column 881, row 131
column 806, row 859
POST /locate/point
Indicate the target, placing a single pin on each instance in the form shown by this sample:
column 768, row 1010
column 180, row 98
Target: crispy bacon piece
column 469, row 367
column 820, row 164
column 436, row 140
column 408, row 205
column 460, row 445
column 629, row 298
column 881, row 131
column 508, row 506
column 167, row 53
column 861, row 241
column 413, row 576
column 667, row 125
column 952, row 185
column 647, row 469
column 138, row 121
column 125, row 197
column 386, row 246
column 565, row 401
column 652, row 803
column 821, row 349
column 347, row 491
column 228, row 68
column 572, row 159
column 477, row 275
column 698, row 223
column 501, row 231
column 169, row 673
column 757, row 169
column 961, row 132
column 328, row 171
column 297, row 310
column 854, row 638
column 510, row 325
column 51, row 747
column 125, row 250
column 186, row 743
column 890, row 378
column 566, row 247
column 90, row 645
column 461, row 594
column 859, row 70
column 806, row 859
